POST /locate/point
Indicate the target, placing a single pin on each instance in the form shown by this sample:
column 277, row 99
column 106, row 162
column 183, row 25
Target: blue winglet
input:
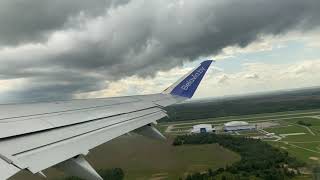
column 188, row 86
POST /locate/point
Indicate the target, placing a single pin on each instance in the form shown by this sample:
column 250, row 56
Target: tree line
column 303, row 123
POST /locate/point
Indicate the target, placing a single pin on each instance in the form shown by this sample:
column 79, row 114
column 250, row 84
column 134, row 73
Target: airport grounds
column 282, row 130
column 289, row 122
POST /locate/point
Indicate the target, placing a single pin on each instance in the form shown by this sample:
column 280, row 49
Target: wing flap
column 27, row 110
column 43, row 157
column 45, row 122
column 25, row 143
column 7, row 170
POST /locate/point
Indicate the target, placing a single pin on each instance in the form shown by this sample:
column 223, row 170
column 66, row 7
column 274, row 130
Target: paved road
column 306, row 127
column 304, row 148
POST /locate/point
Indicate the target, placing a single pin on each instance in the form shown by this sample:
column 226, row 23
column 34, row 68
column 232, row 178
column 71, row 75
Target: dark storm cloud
column 24, row 21
column 53, row 85
column 135, row 37
column 57, row 89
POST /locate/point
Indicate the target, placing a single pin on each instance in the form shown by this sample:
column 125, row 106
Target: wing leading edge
column 37, row 136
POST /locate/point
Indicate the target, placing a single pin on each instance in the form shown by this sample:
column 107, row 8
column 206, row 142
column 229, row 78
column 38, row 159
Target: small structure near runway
column 202, row 128
column 238, row 126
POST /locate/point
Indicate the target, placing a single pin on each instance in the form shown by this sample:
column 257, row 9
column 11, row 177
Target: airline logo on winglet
column 188, row 85
column 193, row 78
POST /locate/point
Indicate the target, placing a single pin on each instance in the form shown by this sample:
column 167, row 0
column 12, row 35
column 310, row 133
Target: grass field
column 311, row 120
column 287, row 129
column 305, row 147
column 297, row 152
column 250, row 133
column 142, row 158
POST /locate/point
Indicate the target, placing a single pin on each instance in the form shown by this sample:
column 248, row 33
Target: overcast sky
column 84, row 49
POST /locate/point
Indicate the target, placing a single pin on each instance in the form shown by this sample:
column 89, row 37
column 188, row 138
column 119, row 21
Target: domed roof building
column 238, row 126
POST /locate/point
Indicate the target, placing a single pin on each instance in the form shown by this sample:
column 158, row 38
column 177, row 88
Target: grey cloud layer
column 109, row 42
column 24, row 21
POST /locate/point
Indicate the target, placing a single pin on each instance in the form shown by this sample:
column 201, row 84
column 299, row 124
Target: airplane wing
column 37, row 136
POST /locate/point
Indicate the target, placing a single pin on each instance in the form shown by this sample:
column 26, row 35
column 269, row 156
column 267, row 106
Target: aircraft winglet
column 189, row 83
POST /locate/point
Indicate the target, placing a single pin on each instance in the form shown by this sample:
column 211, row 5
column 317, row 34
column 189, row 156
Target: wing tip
column 187, row 86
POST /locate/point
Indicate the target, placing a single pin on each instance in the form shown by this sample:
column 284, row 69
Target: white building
column 238, row 126
column 202, row 128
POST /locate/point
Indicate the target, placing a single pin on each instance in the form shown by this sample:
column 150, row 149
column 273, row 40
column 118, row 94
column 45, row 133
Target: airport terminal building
column 238, row 126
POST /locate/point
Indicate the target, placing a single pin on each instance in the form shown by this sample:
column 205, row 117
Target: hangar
column 238, row 126
column 202, row 128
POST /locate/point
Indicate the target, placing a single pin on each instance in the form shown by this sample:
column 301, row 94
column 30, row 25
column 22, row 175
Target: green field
column 287, row 129
column 250, row 133
column 142, row 158
column 301, row 154
column 312, row 121
column 305, row 147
